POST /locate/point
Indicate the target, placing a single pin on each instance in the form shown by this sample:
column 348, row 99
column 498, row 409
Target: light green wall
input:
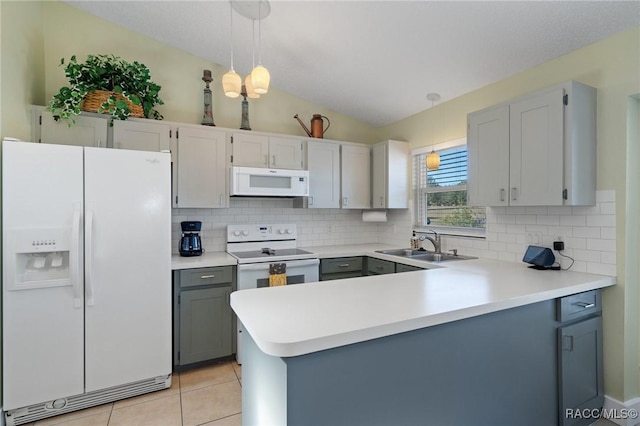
column 70, row 31
column 22, row 66
column 35, row 35
column 613, row 67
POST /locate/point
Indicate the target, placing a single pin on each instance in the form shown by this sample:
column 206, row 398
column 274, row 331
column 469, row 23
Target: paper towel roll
column 374, row 215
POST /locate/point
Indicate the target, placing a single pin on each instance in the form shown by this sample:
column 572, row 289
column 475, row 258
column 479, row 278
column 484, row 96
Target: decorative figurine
column 207, row 119
column 244, row 125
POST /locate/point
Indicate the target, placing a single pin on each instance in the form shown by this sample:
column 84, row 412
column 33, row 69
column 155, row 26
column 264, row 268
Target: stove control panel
column 261, row 232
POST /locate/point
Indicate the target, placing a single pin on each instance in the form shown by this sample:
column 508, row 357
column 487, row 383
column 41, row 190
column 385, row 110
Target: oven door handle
column 265, row 265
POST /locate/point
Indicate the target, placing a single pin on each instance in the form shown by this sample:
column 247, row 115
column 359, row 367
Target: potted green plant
column 106, row 84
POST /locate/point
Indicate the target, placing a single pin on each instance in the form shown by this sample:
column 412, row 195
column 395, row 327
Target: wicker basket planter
column 106, row 84
column 94, row 100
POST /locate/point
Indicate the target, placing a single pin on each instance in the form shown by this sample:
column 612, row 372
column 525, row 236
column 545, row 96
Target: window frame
column 444, row 230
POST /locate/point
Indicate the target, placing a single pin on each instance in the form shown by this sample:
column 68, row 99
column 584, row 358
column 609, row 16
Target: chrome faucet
column 435, row 240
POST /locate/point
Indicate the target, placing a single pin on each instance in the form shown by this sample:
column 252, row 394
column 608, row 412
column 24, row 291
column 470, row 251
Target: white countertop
column 299, row 319
column 206, row 260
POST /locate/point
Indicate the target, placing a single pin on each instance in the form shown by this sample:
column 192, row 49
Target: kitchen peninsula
column 473, row 343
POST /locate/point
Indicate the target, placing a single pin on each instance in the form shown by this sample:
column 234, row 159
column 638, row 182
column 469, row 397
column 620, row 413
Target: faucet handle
column 454, row 251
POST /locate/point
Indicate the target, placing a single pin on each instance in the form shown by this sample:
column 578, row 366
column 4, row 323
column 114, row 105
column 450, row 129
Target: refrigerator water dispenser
column 42, row 258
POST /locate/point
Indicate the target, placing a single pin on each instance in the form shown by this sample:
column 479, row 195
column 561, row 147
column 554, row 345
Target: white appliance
column 86, row 285
column 253, row 181
column 256, row 246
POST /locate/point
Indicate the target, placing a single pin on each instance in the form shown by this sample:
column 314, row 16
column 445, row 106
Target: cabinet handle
column 381, row 201
column 345, row 202
column 567, row 343
column 344, row 265
column 501, row 194
column 514, row 193
column 220, row 201
column 204, row 277
column 310, row 201
column 585, row 305
column 379, row 267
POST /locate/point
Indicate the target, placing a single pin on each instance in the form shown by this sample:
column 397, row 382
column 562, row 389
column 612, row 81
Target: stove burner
column 268, row 251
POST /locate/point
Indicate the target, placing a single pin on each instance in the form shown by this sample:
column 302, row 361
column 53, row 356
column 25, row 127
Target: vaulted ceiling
column 377, row 60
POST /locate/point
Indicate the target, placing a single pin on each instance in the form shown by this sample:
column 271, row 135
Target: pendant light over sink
column 257, row 82
column 433, row 159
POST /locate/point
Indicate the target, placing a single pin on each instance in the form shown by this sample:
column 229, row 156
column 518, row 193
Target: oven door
column 255, row 275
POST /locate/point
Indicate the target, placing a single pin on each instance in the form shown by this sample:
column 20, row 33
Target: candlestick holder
column 207, row 118
column 244, row 124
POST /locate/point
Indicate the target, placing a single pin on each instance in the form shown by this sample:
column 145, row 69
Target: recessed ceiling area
column 377, row 60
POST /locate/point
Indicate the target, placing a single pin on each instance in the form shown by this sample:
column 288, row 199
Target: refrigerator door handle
column 74, row 259
column 89, row 259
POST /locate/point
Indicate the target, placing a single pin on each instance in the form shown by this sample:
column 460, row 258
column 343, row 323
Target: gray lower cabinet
column 203, row 319
column 401, row 267
column 380, row 267
column 341, row 267
column 580, row 374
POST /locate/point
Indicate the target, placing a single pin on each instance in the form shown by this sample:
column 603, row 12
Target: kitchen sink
column 427, row 256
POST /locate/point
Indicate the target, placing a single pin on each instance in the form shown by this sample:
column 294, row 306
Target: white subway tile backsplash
column 548, row 220
column 601, row 220
column 573, row 220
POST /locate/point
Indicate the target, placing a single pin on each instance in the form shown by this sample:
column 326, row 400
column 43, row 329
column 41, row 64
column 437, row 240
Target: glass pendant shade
column 260, row 78
column 249, row 86
column 232, row 84
column 433, row 161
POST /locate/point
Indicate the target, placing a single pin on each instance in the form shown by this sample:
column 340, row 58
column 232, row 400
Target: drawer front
column 377, row 266
column 401, row 267
column 340, row 264
column 206, row 276
column 579, row 305
column 340, row 276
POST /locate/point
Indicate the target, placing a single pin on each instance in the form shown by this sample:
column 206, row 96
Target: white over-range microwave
column 258, row 182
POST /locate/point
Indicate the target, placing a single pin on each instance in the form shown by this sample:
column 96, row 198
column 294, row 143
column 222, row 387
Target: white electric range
column 257, row 246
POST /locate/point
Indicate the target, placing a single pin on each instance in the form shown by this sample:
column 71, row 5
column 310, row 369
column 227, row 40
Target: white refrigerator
column 86, row 285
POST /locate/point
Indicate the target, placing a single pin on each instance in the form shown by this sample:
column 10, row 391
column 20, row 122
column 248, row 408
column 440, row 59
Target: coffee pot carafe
column 317, row 126
column 190, row 243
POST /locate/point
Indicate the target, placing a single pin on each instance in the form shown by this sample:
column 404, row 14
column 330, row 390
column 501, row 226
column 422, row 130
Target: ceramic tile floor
column 205, row 396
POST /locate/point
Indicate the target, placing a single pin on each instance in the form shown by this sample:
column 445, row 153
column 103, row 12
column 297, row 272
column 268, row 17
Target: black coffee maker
column 190, row 243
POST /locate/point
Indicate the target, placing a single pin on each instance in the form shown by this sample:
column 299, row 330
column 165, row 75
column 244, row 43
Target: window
column 440, row 196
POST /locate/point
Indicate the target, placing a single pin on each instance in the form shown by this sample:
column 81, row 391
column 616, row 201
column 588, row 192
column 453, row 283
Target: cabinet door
column 250, row 150
column 536, row 150
column 379, row 175
column 488, row 157
column 205, row 324
column 285, row 153
column 201, row 169
column 148, row 135
column 355, row 171
column 323, row 163
column 580, row 369
column 88, row 131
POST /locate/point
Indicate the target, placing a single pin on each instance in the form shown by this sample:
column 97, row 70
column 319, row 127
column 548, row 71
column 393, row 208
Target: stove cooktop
column 269, row 255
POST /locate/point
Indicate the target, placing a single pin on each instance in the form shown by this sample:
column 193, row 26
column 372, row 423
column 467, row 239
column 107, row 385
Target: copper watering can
column 317, row 125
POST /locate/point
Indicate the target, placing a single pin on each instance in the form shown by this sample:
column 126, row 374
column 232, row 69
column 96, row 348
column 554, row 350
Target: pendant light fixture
column 257, row 82
column 247, row 81
column 433, row 159
column 260, row 76
column 231, row 81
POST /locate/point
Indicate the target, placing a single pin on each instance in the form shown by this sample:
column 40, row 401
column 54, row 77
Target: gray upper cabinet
column 390, row 175
column 538, row 150
column 142, row 135
column 323, row 163
column 87, row 131
column 355, row 176
column 200, row 174
column 255, row 150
